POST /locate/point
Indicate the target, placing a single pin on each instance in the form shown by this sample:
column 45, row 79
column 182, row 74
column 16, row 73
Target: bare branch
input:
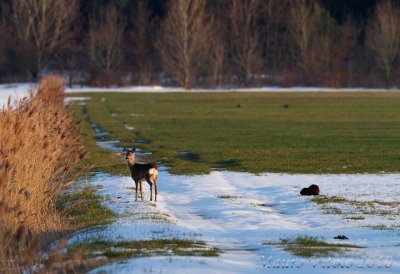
column 384, row 37
column 184, row 40
column 245, row 37
column 105, row 38
column 45, row 25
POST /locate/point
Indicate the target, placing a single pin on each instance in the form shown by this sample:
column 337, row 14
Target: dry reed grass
column 39, row 152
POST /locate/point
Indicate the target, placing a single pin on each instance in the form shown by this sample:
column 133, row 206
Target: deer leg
column 141, row 190
column 136, row 190
column 155, row 187
column 151, row 187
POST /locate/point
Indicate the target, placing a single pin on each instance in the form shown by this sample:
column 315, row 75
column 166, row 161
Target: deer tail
column 153, row 171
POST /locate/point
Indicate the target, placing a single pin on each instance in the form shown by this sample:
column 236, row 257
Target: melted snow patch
column 81, row 100
column 129, row 127
column 109, row 145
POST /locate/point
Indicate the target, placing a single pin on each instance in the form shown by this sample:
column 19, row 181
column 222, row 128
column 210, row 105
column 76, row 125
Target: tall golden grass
column 39, row 152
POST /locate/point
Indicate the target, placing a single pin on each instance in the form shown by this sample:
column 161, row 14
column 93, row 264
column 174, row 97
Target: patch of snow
column 159, row 89
column 140, row 141
column 128, row 127
column 19, row 90
column 236, row 262
column 102, row 135
column 81, row 100
column 136, row 114
column 266, row 208
column 109, row 145
column 14, row 92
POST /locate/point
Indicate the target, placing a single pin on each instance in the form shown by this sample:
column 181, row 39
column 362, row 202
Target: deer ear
column 124, row 149
column 133, row 149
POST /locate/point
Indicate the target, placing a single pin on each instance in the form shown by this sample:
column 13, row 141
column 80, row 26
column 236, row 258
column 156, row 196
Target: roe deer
column 141, row 172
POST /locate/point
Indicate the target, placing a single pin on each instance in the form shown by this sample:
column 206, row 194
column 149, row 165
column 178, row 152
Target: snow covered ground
column 14, row 91
column 238, row 212
column 160, row 89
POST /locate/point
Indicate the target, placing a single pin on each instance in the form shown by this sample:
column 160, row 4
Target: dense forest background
column 202, row 43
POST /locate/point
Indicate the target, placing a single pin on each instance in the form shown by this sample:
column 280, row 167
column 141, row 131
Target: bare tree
column 106, row 31
column 313, row 32
column 245, row 34
column 71, row 60
column 3, row 47
column 217, row 53
column 143, row 36
column 13, row 59
column 184, row 40
column 44, row 25
column 384, row 37
column 342, row 62
column 303, row 30
column 274, row 34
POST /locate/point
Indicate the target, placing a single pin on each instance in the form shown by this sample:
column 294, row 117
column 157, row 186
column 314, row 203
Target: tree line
column 201, row 43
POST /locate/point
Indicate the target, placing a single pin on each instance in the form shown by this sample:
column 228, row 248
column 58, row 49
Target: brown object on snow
column 311, row 190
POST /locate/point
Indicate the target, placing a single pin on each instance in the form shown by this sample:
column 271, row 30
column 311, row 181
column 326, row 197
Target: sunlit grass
column 196, row 132
column 84, row 207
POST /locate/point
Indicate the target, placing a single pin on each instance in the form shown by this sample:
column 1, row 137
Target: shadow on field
column 189, row 156
column 228, row 163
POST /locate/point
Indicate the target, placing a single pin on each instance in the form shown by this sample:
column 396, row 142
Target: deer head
column 129, row 155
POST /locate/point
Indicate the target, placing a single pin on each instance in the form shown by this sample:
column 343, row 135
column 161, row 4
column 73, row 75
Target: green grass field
column 255, row 132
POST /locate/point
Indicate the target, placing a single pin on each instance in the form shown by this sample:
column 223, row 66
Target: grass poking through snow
column 84, row 207
column 228, row 197
column 339, row 205
column 305, row 246
column 129, row 249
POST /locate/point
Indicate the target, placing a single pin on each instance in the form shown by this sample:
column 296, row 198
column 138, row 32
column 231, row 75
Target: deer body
column 142, row 172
